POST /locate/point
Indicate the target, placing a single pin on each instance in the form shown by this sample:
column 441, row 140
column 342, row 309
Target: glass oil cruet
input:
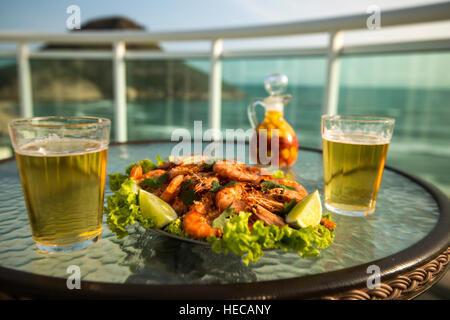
column 275, row 84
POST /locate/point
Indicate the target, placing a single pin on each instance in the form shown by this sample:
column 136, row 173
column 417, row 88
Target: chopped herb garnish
column 217, row 187
column 208, row 165
column 155, row 182
column 288, row 205
column 266, row 185
column 188, row 196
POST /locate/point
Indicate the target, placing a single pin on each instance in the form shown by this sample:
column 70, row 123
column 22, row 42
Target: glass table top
column 405, row 214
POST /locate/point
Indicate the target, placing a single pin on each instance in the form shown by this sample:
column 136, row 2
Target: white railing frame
column 120, row 96
column 334, row 27
column 24, row 77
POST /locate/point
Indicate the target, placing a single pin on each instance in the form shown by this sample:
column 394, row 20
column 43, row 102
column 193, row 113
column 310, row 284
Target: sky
column 182, row 15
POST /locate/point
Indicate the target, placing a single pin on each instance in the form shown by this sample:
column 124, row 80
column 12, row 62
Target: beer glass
column 62, row 168
column 354, row 154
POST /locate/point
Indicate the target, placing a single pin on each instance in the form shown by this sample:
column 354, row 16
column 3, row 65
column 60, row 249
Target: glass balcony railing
column 9, row 102
column 164, row 95
column 72, row 87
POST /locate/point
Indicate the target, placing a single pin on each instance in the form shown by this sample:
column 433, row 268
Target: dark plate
column 202, row 243
column 164, row 233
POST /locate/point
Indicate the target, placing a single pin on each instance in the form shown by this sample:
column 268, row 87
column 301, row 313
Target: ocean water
column 420, row 144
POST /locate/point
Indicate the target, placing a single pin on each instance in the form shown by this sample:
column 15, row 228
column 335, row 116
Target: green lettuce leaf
column 221, row 220
column 147, row 165
column 238, row 239
column 279, row 174
column 160, row 160
column 123, row 209
column 116, row 180
column 176, row 228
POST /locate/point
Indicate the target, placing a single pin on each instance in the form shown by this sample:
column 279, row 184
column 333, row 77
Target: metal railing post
column 331, row 94
column 120, row 98
column 215, row 86
column 24, row 78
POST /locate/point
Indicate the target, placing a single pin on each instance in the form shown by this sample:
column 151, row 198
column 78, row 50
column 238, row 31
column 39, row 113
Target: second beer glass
column 354, row 154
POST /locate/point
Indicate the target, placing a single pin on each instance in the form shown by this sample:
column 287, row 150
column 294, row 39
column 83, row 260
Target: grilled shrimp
column 196, row 224
column 153, row 174
column 267, row 217
column 204, row 183
column 185, row 169
column 172, row 189
column 231, row 197
column 238, row 171
column 136, row 172
column 265, row 202
column 291, row 183
column 138, row 175
column 283, row 195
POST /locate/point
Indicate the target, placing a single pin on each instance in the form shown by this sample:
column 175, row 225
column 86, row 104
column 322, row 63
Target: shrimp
column 231, row 197
column 196, row 224
column 172, row 189
column 136, row 172
column 267, row 217
column 265, row 202
column 284, row 195
column 238, row 171
column 153, row 173
column 204, row 182
column 293, row 184
column 184, row 169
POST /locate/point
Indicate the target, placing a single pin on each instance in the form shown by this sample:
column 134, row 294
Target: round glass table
column 406, row 241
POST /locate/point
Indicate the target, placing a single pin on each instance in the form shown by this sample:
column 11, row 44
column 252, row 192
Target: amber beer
column 62, row 167
column 353, row 172
column 63, row 187
column 354, row 155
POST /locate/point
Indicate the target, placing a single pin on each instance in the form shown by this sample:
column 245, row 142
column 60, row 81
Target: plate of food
column 227, row 205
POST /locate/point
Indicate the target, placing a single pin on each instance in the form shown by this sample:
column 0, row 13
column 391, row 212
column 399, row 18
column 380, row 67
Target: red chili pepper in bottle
column 283, row 140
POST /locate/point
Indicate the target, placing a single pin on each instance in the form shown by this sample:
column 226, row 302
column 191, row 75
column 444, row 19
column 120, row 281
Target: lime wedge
column 154, row 207
column 307, row 212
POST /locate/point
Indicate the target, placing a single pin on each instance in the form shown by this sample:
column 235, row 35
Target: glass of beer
column 354, row 154
column 62, row 167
